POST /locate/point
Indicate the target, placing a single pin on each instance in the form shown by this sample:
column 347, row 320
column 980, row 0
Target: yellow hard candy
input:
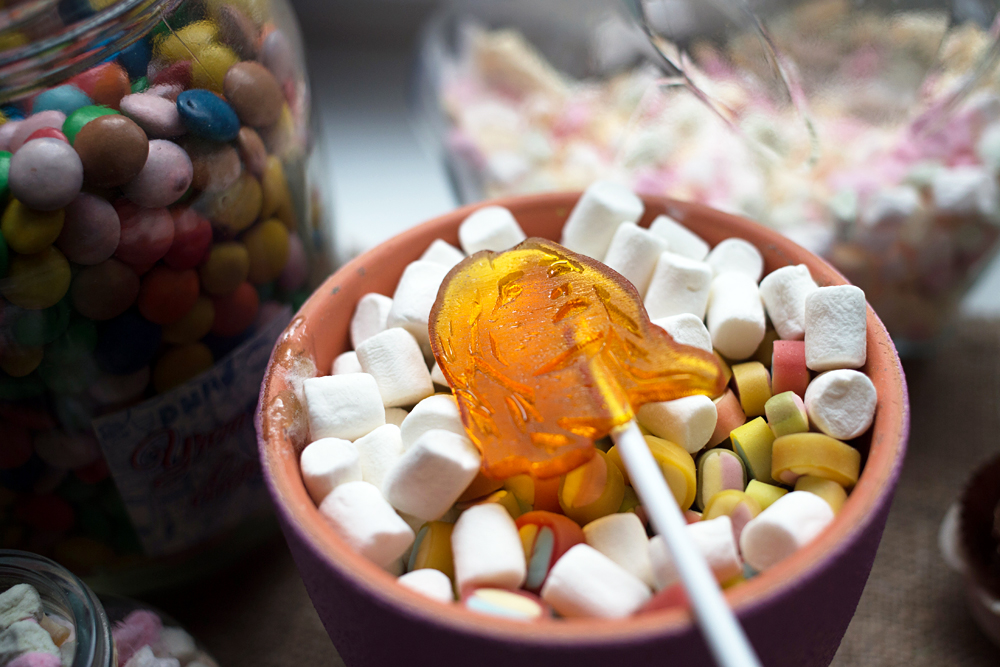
column 814, row 454
column 180, row 364
column 192, row 327
column 28, row 231
column 226, row 268
column 267, row 244
column 37, row 281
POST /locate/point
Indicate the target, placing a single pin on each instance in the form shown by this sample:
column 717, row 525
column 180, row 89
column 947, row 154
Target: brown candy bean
column 216, row 166
column 113, row 150
column 238, row 31
column 254, row 93
column 252, row 151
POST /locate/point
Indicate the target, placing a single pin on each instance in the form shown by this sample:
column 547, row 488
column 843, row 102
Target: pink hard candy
column 165, row 177
column 157, row 116
column 35, row 659
column 90, row 231
column 27, row 127
column 140, row 628
column 147, row 233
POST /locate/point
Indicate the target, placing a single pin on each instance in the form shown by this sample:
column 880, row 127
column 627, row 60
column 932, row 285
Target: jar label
column 186, row 461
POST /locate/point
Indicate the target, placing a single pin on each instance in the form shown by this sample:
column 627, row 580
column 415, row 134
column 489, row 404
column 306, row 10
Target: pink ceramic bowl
column 795, row 614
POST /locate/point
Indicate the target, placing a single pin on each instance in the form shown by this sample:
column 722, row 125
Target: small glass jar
column 158, row 227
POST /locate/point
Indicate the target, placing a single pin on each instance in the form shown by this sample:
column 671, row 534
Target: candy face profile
column 539, row 330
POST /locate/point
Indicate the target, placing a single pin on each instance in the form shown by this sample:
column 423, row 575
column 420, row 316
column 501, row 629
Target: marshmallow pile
column 761, row 470
column 903, row 205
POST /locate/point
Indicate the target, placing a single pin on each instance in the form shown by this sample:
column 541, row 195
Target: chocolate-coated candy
column 166, row 295
column 238, row 31
column 254, row 94
column 206, row 115
column 37, row 281
column 236, row 208
column 267, row 244
column 33, row 328
column 91, row 230
column 147, row 233
column 235, row 312
column 47, row 133
column 135, row 58
column 177, row 74
column 5, row 176
column 252, row 151
column 113, row 150
column 126, row 344
column 30, row 125
column 66, row 98
column 195, row 324
column 46, row 174
column 104, row 291
column 79, row 118
column 192, row 237
column 106, row 83
column 216, row 166
column 227, row 266
column 28, row 231
column 157, row 116
column 165, row 177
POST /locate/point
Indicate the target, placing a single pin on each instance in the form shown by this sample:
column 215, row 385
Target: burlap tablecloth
column 912, row 613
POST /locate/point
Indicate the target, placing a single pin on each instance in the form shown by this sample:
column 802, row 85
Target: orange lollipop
column 547, row 351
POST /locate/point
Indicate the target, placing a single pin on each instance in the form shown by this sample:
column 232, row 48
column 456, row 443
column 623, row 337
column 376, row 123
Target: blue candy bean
column 135, row 58
column 67, row 98
column 206, row 115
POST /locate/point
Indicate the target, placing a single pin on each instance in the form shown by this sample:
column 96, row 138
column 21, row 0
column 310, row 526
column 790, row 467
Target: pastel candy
column 713, row 539
column 443, row 253
column 841, row 403
column 394, row 359
column 586, row 583
column 254, row 94
column 753, row 442
column 487, row 549
column 370, row 526
column 634, row 252
column 735, row 315
column 25, row 128
column 764, row 494
column 833, row 493
column 378, row 452
column 489, row 228
column 415, row 294
column 784, row 293
column 545, row 536
column 434, row 412
column 718, row 470
column 789, row 523
column 90, row 230
column 815, row 454
column 164, row 178
column 45, row 174
column 753, row 386
column 730, row 416
column 346, row 363
column 836, row 328
column 135, row 633
column 206, row 115
column 429, row 583
column 786, row 414
column 369, row 317
column 511, row 605
column 592, row 490
column 431, row 474
column 788, row 368
column 432, row 549
column 678, row 285
column 597, row 214
column 157, row 116
column 343, row 406
column 688, row 422
column 225, row 268
column 680, row 239
column 736, row 255
column 622, row 538
column 737, row 505
column 686, row 329
column 66, row 99
column 326, row 464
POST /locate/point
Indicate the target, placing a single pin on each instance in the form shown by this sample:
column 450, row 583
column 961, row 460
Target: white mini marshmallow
column 370, row 316
column 836, row 328
column 679, row 285
column 788, row 523
column 378, row 452
column 343, row 406
column 415, row 294
column 24, row 637
column 988, row 147
column 19, row 602
column 439, row 411
column 431, row 474
column 735, row 254
column 346, row 363
column 735, row 315
column 369, row 525
column 490, row 228
column 633, row 253
column 328, row 463
column 175, row 643
column 784, row 293
column 622, row 538
column 680, row 239
column 395, row 416
column 487, row 548
column 687, row 329
column 714, row 540
column 429, row 582
column 841, row 403
column 394, row 359
column 437, row 377
column 965, row 190
column 597, row 214
column 586, row 583
column 443, row 253
column 688, row 421
column 891, row 205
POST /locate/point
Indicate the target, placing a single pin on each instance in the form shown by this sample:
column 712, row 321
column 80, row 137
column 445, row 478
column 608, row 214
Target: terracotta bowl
column 795, row 614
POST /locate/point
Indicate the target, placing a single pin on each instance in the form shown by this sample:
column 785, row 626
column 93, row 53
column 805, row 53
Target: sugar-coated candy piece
column 735, row 315
column 24, row 637
column 841, row 403
column 537, row 494
column 753, row 442
column 686, row 329
column 167, row 295
column 25, row 128
column 489, row 228
column 680, row 239
column 139, row 629
column 27, row 231
column 545, row 536
column 415, row 294
column 432, row 549
column 595, row 217
column 19, row 602
column 836, row 328
column 718, row 470
column 487, row 549
column 833, row 493
column 816, row 454
column 394, row 359
column 207, row 115
column 90, row 230
column 730, row 416
column 35, row 659
column 369, row 317
column 66, row 98
column 784, row 293
column 737, row 505
column 736, row 255
column 443, row 253
column 431, row 474
column 786, row 414
column 430, row 583
column 225, row 268
column 678, row 285
column 713, row 539
column 792, row 521
column 346, row 363
column 586, row 583
column 146, row 233
column 370, row 526
column 267, row 243
column 45, row 174
column 753, row 386
column 511, row 605
column 788, row 368
column 395, row 416
column 688, row 422
column 157, row 116
column 592, row 490
column 192, row 238
column 439, row 411
column 296, row 270
column 164, row 178
column 378, row 452
column 326, row 464
column 235, row 312
column 175, row 643
column 113, row 150
column 343, row 406
column 763, row 493
column 501, row 497
column 634, row 253
column 622, row 538
column 254, row 93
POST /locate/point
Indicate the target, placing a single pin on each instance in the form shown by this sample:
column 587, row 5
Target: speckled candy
column 104, row 291
column 180, row 364
column 37, row 281
column 206, row 115
column 164, row 178
column 227, row 266
column 192, row 237
column 45, row 174
column 254, row 94
column 157, row 116
column 28, row 231
column 194, row 325
column 235, row 312
column 166, row 294
column 91, row 230
column 267, row 244
column 146, row 234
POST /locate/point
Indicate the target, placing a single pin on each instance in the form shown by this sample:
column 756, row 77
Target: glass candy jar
column 158, row 229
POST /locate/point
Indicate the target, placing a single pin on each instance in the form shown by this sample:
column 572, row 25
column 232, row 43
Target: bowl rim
column 873, row 490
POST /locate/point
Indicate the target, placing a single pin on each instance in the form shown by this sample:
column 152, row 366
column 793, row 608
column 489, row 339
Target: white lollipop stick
column 725, row 637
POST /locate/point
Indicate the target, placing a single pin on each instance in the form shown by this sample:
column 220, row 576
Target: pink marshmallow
column 140, row 628
column 35, row 659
